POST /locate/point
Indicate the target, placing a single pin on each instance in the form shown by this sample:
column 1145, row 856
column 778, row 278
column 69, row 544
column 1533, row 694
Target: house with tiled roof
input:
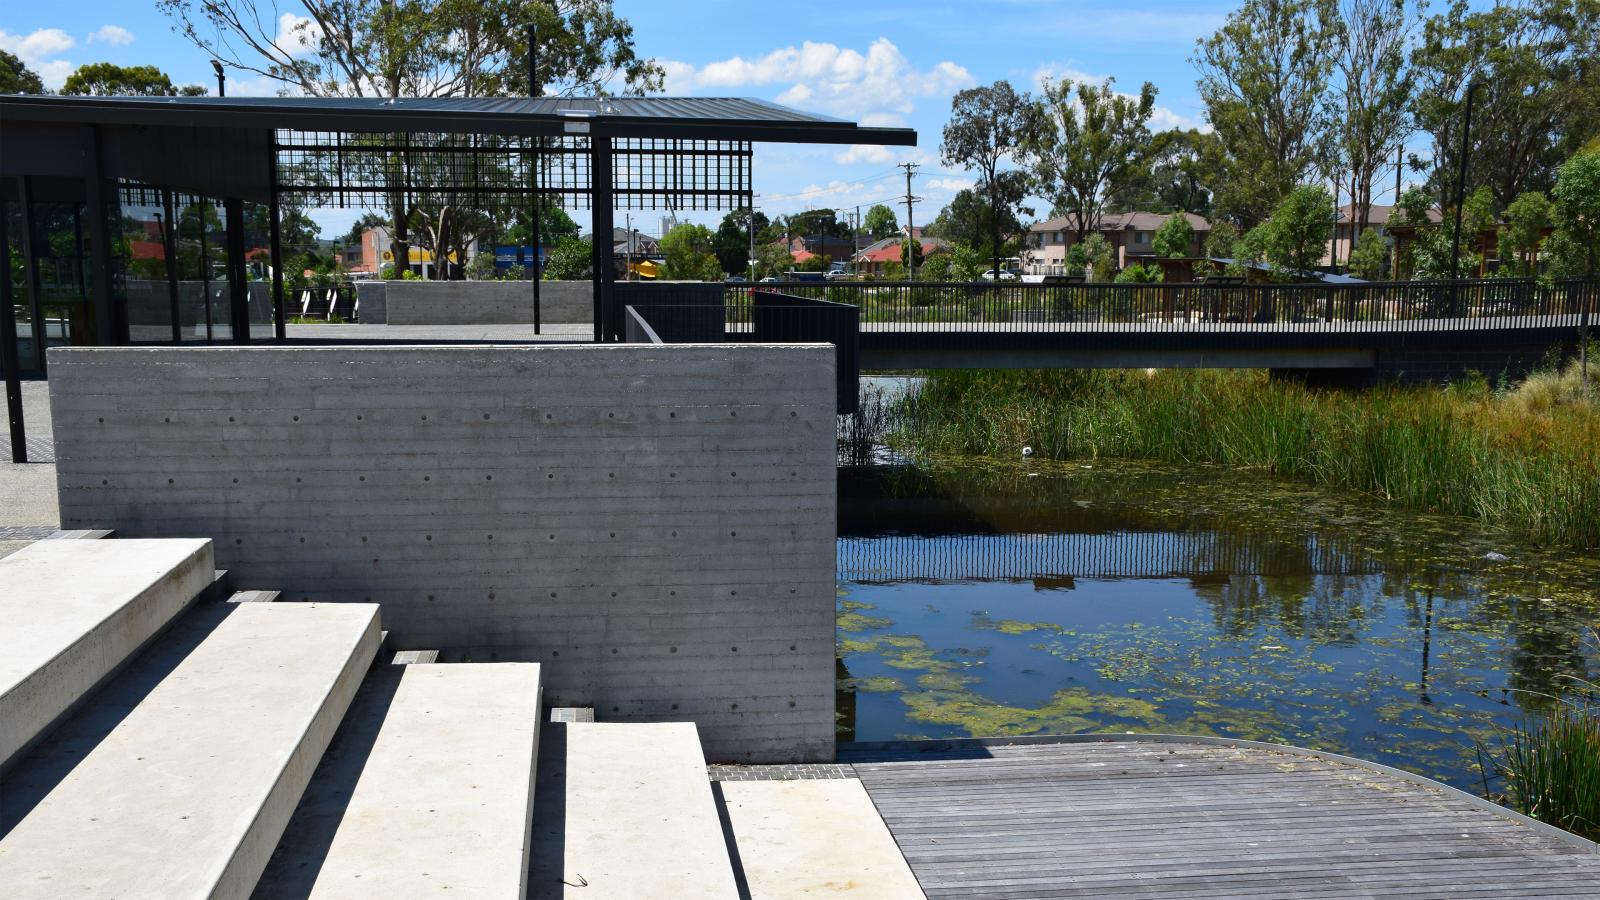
column 1342, row 243
column 876, row 257
column 1131, row 234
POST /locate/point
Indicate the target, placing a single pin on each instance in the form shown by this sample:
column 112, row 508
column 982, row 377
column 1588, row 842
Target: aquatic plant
column 1551, row 767
column 1523, row 459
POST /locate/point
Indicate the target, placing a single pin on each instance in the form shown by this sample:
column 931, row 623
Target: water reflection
column 1058, row 598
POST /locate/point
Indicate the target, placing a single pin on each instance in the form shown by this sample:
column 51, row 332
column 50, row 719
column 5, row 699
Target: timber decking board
column 1154, row 820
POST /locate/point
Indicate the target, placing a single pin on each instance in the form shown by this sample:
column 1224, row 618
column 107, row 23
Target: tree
column 554, row 225
column 1538, row 97
column 969, row 219
column 1527, row 218
column 105, row 79
column 1077, row 259
column 772, row 260
column 1262, row 80
column 1182, row 169
column 880, row 222
column 1173, row 238
column 1102, row 262
column 1139, row 273
column 571, row 260
column 1372, row 104
column 1086, row 142
column 911, row 253
column 1297, row 234
column 733, row 238
column 1368, row 255
column 988, row 125
column 360, row 226
column 1221, row 241
column 690, row 253
column 17, row 78
column 1576, row 212
column 421, row 48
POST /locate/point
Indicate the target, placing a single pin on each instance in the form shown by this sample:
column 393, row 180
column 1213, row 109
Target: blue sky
column 880, row 64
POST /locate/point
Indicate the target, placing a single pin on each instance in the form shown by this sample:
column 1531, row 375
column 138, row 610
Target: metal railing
column 1492, row 303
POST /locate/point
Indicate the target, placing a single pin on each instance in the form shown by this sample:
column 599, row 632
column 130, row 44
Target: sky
column 882, row 64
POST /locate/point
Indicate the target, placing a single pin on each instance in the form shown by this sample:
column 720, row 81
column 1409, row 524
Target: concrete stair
column 426, row 791
column 813, row 838
column 77, row 610
column 177, row 778
column 624, row 810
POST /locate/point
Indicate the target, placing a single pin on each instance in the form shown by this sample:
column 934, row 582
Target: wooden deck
column 1145, row 819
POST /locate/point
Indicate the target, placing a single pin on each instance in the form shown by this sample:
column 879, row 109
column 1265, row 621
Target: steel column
column 9, row 358
column 274, row 241
column 108, row 324
column 606, row 328
column 170, row 240
column 30, row 270
column 238, row 283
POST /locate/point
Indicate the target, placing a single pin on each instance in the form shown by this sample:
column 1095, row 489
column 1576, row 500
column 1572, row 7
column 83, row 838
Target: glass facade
column 170, row 260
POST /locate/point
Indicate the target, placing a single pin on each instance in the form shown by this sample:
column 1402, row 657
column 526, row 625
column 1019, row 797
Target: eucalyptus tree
column 16, row 77
column 1372, row 100
column 1184, row 168
column 1084, row 141
column 1537, row 67
column 1263, row 76
column 419, row 48
column 987, row 129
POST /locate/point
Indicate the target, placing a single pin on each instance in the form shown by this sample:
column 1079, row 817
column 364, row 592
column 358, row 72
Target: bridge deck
column 1147, row 819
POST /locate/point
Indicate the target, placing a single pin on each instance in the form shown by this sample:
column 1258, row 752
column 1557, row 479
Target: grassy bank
column 1525, row 459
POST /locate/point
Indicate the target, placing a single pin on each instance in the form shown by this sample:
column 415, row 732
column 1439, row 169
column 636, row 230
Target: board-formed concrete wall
column 655, row 524
column 488, row 303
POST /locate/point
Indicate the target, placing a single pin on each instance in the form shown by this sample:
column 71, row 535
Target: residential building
column 1343, row 240
column 876, row 257
column 1131, row 235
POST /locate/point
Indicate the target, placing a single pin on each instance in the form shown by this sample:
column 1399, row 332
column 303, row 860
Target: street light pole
column 1461, row 181
column 222, row 79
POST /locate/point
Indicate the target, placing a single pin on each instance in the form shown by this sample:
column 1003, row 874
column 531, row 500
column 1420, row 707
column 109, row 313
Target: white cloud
column 114, row 35
column 951, row 185
column 297, row 35
column 876, row 154
column 37, row 50
column 877, row 86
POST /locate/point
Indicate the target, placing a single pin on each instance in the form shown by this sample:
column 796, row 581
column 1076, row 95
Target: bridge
column 1350, row 332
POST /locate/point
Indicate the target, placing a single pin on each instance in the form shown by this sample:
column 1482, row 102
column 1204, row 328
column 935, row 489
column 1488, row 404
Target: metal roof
column 699, row 118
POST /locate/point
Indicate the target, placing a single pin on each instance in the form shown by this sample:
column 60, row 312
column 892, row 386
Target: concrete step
column 426, row 791
column 624, row 810
column 76, row 610
column 814, row 838
column 178, row 777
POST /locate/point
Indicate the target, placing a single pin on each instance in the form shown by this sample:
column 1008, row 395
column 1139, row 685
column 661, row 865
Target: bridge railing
column 1029, row 306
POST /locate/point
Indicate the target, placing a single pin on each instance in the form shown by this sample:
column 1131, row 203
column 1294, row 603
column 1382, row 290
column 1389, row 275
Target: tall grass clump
column 1526, row 459
column 1551, row 767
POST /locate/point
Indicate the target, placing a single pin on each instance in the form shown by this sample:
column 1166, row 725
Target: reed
column 1524, row 459
column 1551, row 767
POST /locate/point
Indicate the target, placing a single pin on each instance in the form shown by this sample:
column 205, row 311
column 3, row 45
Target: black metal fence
column 769, row 319
column 1026, row 306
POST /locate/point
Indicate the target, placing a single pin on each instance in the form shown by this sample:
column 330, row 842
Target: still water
column 1054, row 598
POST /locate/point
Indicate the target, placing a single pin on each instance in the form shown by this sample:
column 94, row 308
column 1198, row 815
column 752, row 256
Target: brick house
column 1131, row 235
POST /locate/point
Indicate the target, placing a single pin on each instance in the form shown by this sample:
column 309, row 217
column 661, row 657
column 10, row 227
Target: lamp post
column 222, row 79
column 1461, row 181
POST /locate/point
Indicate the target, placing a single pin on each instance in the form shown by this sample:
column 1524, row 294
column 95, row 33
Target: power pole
column 1461, row 181
column 855, row 238
column 751, row 229
column 911, row 231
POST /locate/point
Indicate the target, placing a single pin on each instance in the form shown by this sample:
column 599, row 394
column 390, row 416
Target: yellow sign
column 418, row 255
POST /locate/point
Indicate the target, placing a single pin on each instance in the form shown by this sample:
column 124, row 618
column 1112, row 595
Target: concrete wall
column 488, row 303
column 372, row 302
column 654, row 524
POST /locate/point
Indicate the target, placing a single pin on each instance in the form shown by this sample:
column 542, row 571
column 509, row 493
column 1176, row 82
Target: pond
column 1042, row 598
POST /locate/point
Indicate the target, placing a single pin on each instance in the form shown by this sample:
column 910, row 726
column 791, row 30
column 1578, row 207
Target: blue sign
column 505, row 257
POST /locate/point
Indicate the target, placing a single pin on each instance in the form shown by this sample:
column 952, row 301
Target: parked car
column 770, row 279
column 988, row 275
column 838, row 275
column 735, row 279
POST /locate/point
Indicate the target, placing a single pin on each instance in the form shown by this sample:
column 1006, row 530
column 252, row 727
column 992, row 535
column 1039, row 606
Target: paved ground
column 427, row 334
column 28, row 492
column 1145, row 819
